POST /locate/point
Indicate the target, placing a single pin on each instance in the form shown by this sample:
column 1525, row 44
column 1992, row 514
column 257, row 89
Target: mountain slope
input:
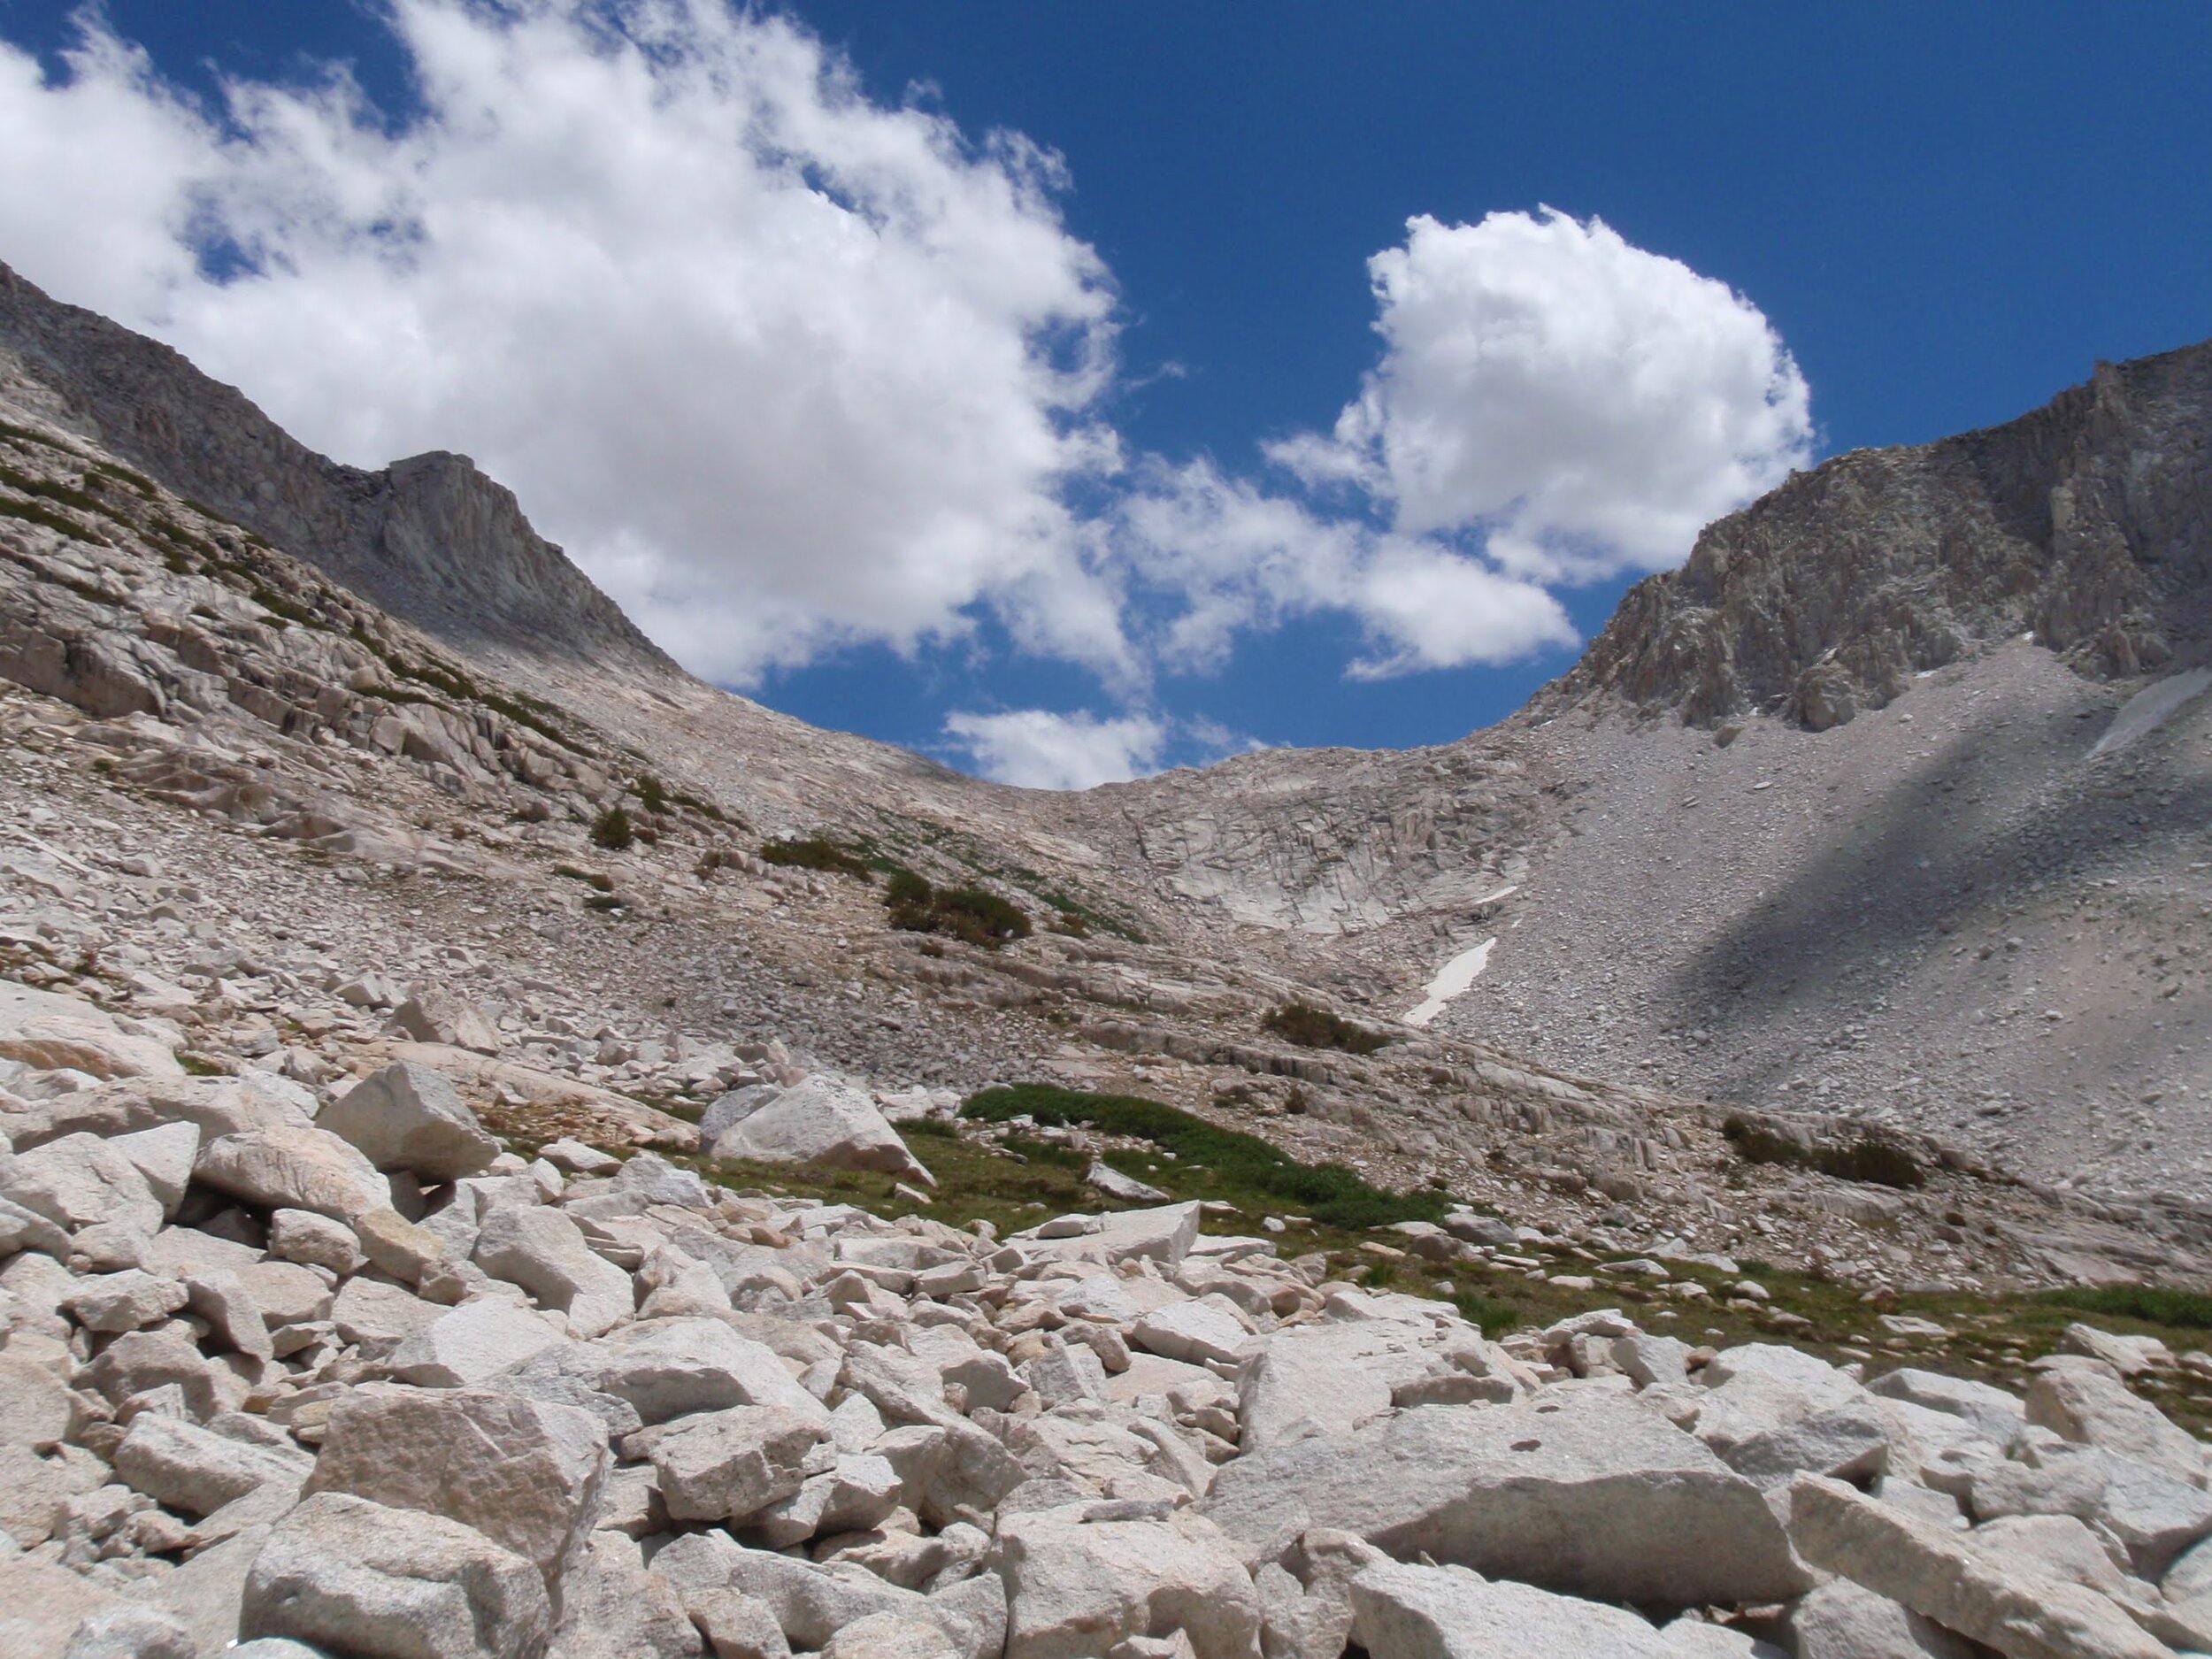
column 462, row 706
column 430, row 538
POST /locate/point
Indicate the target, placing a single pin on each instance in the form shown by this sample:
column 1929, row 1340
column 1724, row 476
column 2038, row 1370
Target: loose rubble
column 330, row 1372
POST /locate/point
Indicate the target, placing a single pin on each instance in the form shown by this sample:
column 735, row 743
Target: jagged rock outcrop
column 430, row 538
column 2087, row 523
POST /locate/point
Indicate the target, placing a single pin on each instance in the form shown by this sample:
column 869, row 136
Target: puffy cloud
column 1227, row 556
column 788, row 370
column 1038, row 749
column 1586, row 406
column 782, row 367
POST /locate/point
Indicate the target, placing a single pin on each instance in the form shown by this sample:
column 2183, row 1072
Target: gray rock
column 737, row 1626
column 728, row 1465
column 890, row 1636
column 357, row 1578
column 2093, row 1410
column 541, row 1250
column 379, row 1318
column 287, row 1293
column 163, row 1156
column 821, row 1122
column 1992, row 1412
column 1843, row 1620
column 529, row 1476
column 233, row 1313
column 1076, row 1585
column 22, row 1229
column 78, row 1181
column 131, row 1633
column 1329, row 1378
column 671, row 1368
column 1592, row 1495
column 310, row 1239
column 1114, row 1184
column 196, row 1470
column 812, row 1603
column 2154, row 1513
column 143, row 1360
column 36, row 1406
column 128, row 1300
column 409, row 1117
column 1943, row 1577
column 1772, row 1412
column 1402, row 1612
column 472, row 1344
column 613, row 1609
column 436, row 1017
column 294, row 1168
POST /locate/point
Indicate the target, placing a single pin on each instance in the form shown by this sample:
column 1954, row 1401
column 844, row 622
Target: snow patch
column 1452, row 979
column 2151, row 708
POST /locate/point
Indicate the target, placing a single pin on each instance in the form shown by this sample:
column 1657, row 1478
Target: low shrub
column 652, row 794
column 1311, row 1028
column 972, row 914
column 613, row 830
column 1867, row 1160
column 816, row 852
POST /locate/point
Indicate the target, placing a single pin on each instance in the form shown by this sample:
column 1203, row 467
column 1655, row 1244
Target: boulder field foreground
column 295, row 1370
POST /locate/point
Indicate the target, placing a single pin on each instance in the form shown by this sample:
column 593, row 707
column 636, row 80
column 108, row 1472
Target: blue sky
column 1074, row 497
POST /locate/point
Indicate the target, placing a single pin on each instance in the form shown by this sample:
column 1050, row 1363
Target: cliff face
column 430, row 539
column 2088, row 523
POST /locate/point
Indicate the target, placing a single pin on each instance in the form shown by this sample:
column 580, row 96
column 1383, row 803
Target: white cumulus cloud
column 1037, row 748
column 782, row 367
column 1585, row 405
column 786, row 369
column 1228, row 557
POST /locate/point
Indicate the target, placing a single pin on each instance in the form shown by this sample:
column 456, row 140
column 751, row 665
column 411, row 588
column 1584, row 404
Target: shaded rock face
column 2086, row 523
column 430, row 538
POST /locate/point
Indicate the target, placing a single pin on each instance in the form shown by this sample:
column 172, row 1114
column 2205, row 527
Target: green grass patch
column 1212, row 1162
column 1493, row 1314
column 1311, row 1028
column 2153, row 1304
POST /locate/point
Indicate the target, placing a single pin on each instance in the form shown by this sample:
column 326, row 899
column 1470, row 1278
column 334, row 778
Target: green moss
column 1311, row 1028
